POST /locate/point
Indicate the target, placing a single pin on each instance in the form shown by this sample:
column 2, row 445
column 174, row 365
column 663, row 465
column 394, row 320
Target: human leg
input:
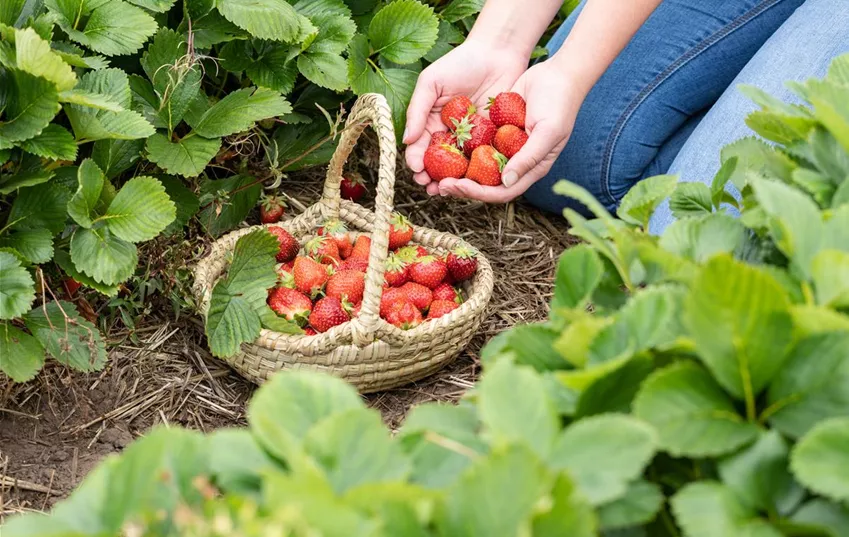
column 674, row 68
column 800, row 49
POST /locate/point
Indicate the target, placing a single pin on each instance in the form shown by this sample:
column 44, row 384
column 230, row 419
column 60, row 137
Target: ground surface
column 55, row 429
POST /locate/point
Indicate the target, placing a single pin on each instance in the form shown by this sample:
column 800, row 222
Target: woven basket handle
column 370, row 108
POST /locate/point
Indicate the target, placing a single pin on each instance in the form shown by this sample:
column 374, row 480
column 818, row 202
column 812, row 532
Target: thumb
column 421, row 103
column 542, row 141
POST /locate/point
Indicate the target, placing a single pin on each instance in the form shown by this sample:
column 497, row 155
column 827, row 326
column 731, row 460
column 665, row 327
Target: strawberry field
column 612, row 383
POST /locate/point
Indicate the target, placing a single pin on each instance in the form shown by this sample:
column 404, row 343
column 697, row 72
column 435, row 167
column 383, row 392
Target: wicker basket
column 368, row 352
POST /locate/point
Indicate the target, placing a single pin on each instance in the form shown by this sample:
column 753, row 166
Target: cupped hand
column 552, row 101
column 474, row 69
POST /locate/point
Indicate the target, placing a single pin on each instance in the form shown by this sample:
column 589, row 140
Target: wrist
column 502, row 43
column 581, row 69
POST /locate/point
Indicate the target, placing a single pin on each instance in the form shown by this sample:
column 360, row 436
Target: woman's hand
column 552, row 106
column 476, row 69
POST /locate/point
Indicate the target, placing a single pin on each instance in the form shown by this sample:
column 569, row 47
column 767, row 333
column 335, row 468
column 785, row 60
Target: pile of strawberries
column 323, row 286
column 475, row 147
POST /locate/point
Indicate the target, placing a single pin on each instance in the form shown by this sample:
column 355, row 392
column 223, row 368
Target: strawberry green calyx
column 269, row 202
column 501, row 159
column 395, row 263
column 463, row 130
column 335, row 226
column 463, row 252
column 400, row 222
column 407, row 254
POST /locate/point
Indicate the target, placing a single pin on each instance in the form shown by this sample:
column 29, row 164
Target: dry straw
column 368, row 352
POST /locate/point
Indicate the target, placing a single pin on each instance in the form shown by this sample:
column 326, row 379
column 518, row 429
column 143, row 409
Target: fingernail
column 509, row 179
column 404, row 136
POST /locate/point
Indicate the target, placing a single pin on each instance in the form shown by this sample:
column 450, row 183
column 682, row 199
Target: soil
column 56, row 428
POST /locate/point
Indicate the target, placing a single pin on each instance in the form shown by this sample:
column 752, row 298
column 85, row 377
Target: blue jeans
column 668, row 103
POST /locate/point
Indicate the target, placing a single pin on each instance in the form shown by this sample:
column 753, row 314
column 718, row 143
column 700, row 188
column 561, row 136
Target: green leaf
column 90, row 100
column 82, row 203
column 335, row 26
column 720, row 180
column 91, row 124
column 53, row 143
column 187, row 157
column 823, row 514
column 528, row 415
column 217, row 219
column 10, row 11
column 305, row 398
column 830, row 275
column 578, row 274
column 36, row 245
column 354, row 448
column 615, row 390
column 116, row 156
column 806, row 391
column 239, row 110
column 31, row 103
column 175, row 78
column 34, row 56
column 755, row 158
column 570, row 513
column 268, row 64
column 759, row 474
column 140, row 211
column 237, row 461
column 830, row 108
column 113, row 28
column 531, row 344
column 21, row 355
column 640, row 504
column 395, row 84
column 159, row 6
column 691, row 199
column 403, row 31
column 702, row 238
column 230, row 321
column 779, row 128
column 707, row 509
column 692, row 415
column 325, row 69
column 291, row 142
column 437, row 463
column 40, row 207
column 185, row 201
column 495, row 496
column 66, row 336
column 829, row 157
column 460, row 9
column 267, row 19
column 11, row 183
column 63, row 259
column 820, row 460
column 640, row 202
column 449, row 36
column 591, row 451
column 253, row 265
column 17, row 288
column 103, row 256
column 738, row 318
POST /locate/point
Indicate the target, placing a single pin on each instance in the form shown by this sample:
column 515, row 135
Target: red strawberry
column 462, row 263
column 405, row 316
column 400, row 231
column 445, row 291
column 509, row 140
column 396, row 272
column 429, row 271
column 443, row 160
column 323, row 250
column 327, row 313
column 352, row 187
column 355, row 311
column 271, row 209
column 347, row 285
column 291, row 304
column 438, row 308
column 310, row 276
column 353, row 263
column 443, row 137
column 456, row 109
column 310, row 331
column 474, row 132
column 338, row 231
column 418, row 294
column 389, row 298
column 507, row 108
column 289, row 246
column 485, row 166
column 71, row 286
column 361, row 248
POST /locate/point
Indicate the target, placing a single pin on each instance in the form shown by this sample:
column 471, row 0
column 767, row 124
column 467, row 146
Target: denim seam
column 607, row 160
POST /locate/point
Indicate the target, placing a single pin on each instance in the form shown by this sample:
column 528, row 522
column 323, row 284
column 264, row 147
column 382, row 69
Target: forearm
column 602, row 30
column 514, row 24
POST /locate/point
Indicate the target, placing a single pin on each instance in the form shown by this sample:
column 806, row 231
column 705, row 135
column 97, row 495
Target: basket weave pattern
column 368, row 352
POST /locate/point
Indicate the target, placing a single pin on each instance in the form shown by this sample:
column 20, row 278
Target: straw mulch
column 54, row 429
